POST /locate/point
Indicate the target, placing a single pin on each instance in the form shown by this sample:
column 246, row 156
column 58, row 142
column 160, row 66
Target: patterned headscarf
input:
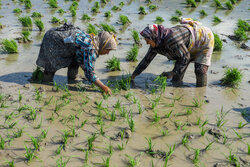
column 105, row 40
column 155, row 33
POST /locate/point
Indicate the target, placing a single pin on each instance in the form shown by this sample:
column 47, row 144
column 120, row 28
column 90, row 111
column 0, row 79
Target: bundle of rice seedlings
column 133, row 53
column 107, row 14
column 25, row 36
column 91, row 29
column 26, row 21
column 192, row 3
column 36, row 14
column 216, row 19
column 217, row 43
column 53, row 3
column 159, row 20
column 28, row 4
column 37, row 75
column 9, row 46
column 232, row 77
column 39, row 24
column 55, row 20
column 108, row 28
column 124, row 19
column 113, row 64
column 229, row 5
column 203, row 13
column 17, row 10
column 86, row 17
column 142, row 10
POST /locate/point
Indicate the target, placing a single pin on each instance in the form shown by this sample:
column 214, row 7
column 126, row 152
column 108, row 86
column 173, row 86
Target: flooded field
column 147, row 124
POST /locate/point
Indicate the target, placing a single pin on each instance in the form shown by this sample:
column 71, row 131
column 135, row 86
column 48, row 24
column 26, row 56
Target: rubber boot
column 201, row 80
column 48, row 76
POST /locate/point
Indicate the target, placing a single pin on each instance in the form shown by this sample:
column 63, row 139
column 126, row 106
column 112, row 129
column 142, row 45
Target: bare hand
column 107, row 90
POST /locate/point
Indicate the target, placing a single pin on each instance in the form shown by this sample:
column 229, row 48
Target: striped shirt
column 174, row 47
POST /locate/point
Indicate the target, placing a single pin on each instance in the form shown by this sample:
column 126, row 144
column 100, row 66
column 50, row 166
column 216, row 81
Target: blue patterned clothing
column 85, row 54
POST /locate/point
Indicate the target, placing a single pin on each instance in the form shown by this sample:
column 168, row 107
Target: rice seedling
column 37, row 75
column 204, row 123
column 47, row 102
column 10, row 163
column 185, row 140
column 164, row 132
column 197, row 0
column 73, row 12
column 233, row 159
column 53, row 3
column 218, row 4
column 61, row 11
column 189, row 111
column 178, row 12
column 133, row 161
column 107, row 14
column 39, row 125
column 142, row 10
column 224, row 138
column 229, row 5
column 1, row 26
column 156, row 118
column 175, row 18
column 36, row 14
column 86, row 17
column 59, row 149
column 220, row 118
column 55, row 20
column 124, row 20
column 121, row 4
column 65, row 138
column 148, row 1
column 191, row 3
column 25, row 36
column 96, row 7
column 133, row 53
column 243, row 25
column 3, row 105
column 108, row 28
column 140, row 110
column 159, row 20
column 232, row 77
column 9, row 46
column 117, row 104
column 241, row 125
column 237, row 134
column 168, row 114
column 18, row 133
column 62, row 163
column 150, row 145
column 196, row 156
column 27, row 4
column 208, row 147
column 197, row 103
column 105, row 1
column 2, row 143
column 43, row 135
column 112, row 115
column 152, row 7
column 113, row 64
column 217, row 43
column 203, row 131
column 203, row 13
column 30, row 154
column 216, row 19
column 240, row 34
column 122, row 146
column 38, row 95
column 90, row 142
column 20, row 96
column 136, row 37
column 17, row 10
column 123, row 112
column 116, row 8
column 35, row 142
column 101, row 128
column 91, row 29
column 110, row 149
column 131, row 123
column 169, row 154
column 9, row 116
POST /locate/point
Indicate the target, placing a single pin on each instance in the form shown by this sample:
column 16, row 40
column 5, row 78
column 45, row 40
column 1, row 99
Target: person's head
column 150, row 34
column 107, row 42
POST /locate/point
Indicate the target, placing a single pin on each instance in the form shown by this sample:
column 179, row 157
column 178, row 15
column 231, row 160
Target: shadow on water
column 22, row 78
column 245, row 112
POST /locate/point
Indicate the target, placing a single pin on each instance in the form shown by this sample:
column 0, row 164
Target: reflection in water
column 123, row 28
column 228, row 12
column 52, row 11
column 216, row 56
column 39, row 36
column 11, row 58
column 231, row 93
column 141, row 16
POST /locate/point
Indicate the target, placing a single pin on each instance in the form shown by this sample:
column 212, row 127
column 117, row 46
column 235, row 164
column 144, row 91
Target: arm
column 90, row 73
column 144, row 63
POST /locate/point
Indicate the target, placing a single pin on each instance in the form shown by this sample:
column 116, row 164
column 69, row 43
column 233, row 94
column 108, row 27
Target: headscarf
column 105, row 40
column 155, row 33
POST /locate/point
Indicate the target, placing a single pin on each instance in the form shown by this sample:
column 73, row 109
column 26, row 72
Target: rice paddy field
column 149, row 122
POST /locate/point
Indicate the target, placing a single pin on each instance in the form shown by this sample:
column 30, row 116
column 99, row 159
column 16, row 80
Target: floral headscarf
column 155, row 33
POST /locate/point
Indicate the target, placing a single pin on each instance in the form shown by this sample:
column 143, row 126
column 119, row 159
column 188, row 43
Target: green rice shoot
column 113, row 64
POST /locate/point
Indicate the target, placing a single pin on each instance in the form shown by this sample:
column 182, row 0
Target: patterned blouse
column 86, row 55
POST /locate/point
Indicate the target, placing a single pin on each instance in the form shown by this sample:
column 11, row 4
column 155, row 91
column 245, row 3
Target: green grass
column 17, row 10
column 218, row 4
column 133, row 53
column 86, row 17
column 107, row 27
column 37, row 75
column 192, row 3
column 36, row 14
column 124, row 20
column 39, row 24
column 217, row 43
column 243, row 25
column 113, row 64
column 203, row 13
column 25, row 21
column 175, row 18
column 229, row 5
column 107, row 14
column 216, row 19
column 240, row 34
column 232, row 77
column 159, row 20
column 142, row 10
column 91, row 29
column 53, row 3
column 9, row 46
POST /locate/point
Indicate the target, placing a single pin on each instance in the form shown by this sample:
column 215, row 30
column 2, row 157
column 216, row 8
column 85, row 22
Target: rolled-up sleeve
column 145, row 62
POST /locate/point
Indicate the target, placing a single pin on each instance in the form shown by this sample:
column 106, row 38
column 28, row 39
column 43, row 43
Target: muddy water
column 17, row 68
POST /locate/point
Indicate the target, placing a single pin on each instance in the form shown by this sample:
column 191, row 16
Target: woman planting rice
column 184, row 43
column 68, row 46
